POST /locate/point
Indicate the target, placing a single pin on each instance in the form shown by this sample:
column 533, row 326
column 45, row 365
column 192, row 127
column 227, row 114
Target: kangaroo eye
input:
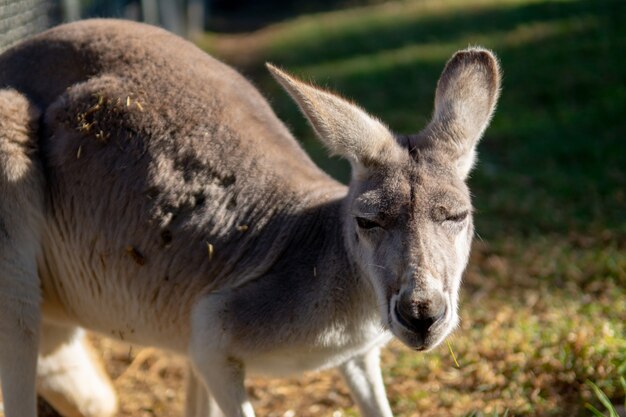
column 458, row 217
column 366, row 223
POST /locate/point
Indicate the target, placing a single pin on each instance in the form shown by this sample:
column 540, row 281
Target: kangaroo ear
column 466, row 97
column 343, row 127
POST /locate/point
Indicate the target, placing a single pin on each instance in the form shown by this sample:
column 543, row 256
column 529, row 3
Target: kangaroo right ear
column 466, row 97
column 345, row 128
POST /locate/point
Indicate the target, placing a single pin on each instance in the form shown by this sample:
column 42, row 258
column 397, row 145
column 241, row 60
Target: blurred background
column 544, row 298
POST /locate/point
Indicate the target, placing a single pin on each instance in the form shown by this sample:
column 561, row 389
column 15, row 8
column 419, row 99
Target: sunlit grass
column 526, row 343
column 611, row 410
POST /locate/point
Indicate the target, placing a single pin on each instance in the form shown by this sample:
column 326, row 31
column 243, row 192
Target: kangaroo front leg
column 198, row 402
column 365, row 380
column 195, row 396
column 212, row 360
column 223, row 377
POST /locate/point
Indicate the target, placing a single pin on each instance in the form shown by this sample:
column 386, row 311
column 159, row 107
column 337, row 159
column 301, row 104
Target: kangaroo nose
column 419, row 316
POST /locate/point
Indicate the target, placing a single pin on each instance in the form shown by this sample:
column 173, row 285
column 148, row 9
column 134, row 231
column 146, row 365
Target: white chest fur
column 319, row 356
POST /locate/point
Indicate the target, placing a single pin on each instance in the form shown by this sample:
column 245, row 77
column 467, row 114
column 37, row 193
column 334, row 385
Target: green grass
column 544, row 302
column 612, row 411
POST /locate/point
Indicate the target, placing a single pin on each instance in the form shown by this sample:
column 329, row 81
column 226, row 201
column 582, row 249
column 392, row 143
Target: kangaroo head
column 408, row 215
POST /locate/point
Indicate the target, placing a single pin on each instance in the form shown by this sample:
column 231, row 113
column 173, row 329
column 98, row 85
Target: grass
column 543, row 301
column 612, row 411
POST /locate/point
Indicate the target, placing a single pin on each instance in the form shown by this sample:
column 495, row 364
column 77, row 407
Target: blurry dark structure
column 250, row 15
column 183, row 17
column 22, row 18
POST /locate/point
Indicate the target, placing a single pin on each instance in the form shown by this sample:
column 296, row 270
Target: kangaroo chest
column 315, row 357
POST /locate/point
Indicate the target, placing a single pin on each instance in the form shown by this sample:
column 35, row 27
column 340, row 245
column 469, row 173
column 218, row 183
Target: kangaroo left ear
column 466, row 97
column 345, row 128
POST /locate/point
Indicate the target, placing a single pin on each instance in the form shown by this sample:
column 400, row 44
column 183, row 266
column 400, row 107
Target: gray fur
column 158, row 199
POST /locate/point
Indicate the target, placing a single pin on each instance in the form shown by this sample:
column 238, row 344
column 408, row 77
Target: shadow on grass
column 236, row 16
column 554, row 159
column 380, row 29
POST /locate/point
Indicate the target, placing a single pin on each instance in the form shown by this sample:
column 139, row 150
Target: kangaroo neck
column 342, row 287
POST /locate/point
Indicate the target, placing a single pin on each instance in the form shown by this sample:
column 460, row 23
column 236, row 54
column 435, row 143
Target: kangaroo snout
column 419, row 314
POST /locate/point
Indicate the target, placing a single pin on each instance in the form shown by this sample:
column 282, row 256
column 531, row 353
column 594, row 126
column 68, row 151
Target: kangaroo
column 148, row 192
